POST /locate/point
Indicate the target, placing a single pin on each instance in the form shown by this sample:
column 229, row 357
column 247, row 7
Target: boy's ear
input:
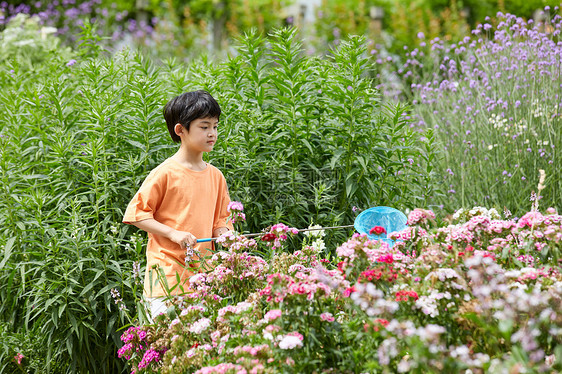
column 178, row 129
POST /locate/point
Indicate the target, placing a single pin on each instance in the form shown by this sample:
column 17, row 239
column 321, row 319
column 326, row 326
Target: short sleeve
column 147, row 199
column 221, row 212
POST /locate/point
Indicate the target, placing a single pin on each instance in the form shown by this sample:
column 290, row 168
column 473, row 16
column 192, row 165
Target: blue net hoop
column 389, row 218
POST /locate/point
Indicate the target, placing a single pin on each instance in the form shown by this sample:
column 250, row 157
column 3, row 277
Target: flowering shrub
column 493, row 102
column 479, row 293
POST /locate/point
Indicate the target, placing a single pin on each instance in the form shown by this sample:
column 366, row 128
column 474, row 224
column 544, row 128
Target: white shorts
column 156, row 306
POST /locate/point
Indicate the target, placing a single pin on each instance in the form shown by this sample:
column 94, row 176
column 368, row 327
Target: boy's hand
column 221, row 231
column 183, row 238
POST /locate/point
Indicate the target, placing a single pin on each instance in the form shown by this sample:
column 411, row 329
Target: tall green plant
column 310, row 136
column 62, row 250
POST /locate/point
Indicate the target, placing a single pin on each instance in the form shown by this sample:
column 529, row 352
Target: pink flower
column 125, row 351
column 18, row 357
column 235, row 209
column 273, row 314
column 327, row 317
column 297, row 334
column 419, row 216
column 150, row 356
column 235, row 205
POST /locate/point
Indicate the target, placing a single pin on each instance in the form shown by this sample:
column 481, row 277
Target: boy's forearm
column 182, row 238
column 154, row 227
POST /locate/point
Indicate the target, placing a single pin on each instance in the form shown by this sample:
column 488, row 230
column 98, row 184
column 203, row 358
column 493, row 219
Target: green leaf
column 7, row 251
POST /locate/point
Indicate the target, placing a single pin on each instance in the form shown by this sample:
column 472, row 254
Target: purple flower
column 421, row 35
column 71, row 62
column 136, row 270
column 149, row 356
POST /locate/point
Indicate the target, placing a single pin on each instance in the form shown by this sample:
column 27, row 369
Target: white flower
column 45, row 31
column 318, row 245
column 315, row 232
column 199, row 326
column 403, row 366
column 290, row 342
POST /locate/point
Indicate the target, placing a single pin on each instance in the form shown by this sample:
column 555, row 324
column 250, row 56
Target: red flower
column 378, row 273
column 341, row 266
column 349, row 291
column 377, row 230
column 405, row 295
column 382, row 321
column 269, row 237
column 379, row 322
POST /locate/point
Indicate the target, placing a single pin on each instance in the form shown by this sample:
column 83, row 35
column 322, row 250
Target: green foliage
column 201, row 26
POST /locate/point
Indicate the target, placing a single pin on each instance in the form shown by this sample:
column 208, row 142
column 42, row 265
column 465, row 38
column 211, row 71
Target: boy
column 182, row 199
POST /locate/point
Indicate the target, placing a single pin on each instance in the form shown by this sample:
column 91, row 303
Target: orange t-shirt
column 185, row 200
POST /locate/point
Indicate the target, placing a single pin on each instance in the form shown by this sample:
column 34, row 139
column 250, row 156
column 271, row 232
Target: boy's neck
column 191, row 160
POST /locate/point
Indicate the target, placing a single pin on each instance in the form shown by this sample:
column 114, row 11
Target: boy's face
column 202, row 134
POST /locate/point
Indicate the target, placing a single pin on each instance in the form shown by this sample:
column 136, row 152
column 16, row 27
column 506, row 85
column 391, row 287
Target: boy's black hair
column 188, row 107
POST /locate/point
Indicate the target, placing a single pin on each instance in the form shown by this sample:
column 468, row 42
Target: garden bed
column 476, row 294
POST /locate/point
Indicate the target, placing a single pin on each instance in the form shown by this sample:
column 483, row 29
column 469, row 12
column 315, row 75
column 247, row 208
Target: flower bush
column 475, row 294
column 493, row 103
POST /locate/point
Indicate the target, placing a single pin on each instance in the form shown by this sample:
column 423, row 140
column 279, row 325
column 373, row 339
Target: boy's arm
column 182, row 238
